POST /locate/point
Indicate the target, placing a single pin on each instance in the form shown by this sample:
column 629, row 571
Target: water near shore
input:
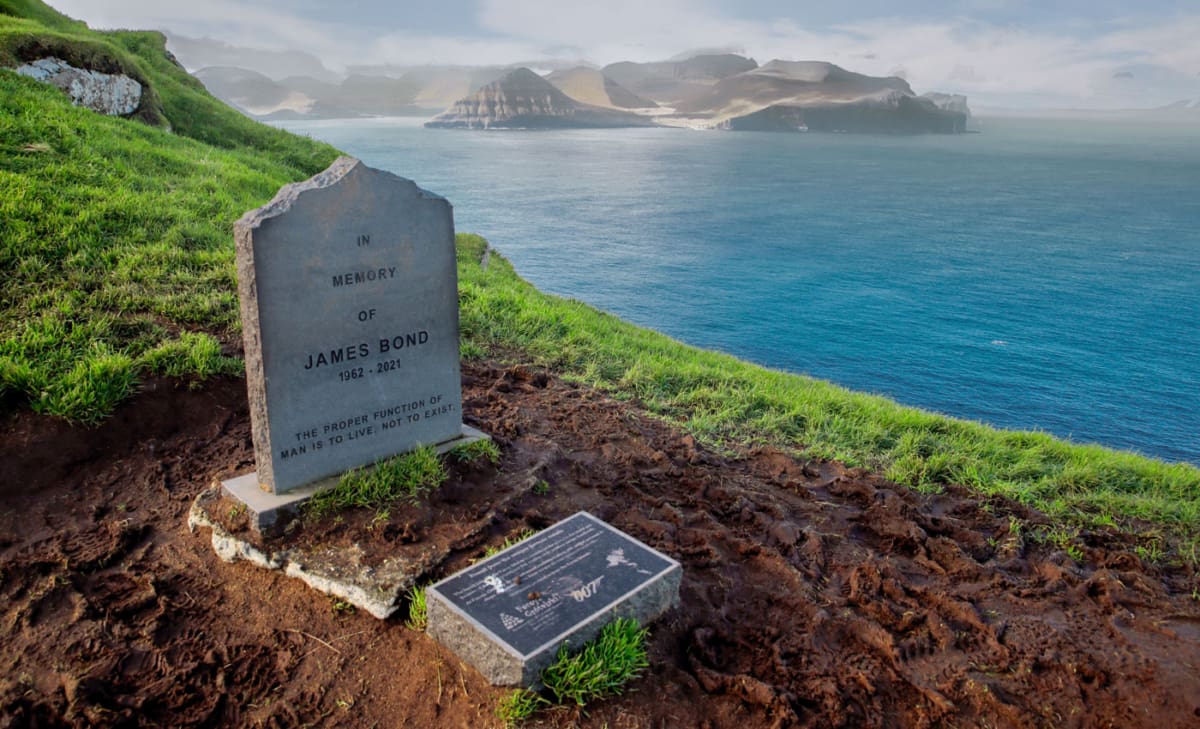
column 1041, row 275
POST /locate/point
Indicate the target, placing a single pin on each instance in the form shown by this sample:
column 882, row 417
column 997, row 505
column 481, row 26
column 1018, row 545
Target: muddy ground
column 813, row 595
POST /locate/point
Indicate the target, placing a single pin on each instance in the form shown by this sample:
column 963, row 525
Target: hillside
column 847, row 561
column 117, row 232
column 118, row 265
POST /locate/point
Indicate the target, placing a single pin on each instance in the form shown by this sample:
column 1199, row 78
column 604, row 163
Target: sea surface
column 1043, row 274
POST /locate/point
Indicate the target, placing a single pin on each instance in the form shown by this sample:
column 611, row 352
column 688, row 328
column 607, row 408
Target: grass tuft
column 602, row 668
column 418, row 613
column 508, row 542
column 193, row 353
column 410, row 476
column 517, row 706
column 477, row 451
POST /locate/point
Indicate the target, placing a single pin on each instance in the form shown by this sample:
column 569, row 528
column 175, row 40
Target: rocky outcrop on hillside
column 820, row 96
column 524, row 100
column 111, row 94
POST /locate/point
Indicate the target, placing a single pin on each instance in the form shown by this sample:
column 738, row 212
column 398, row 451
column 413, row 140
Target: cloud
column 256, row 25
column 993, row 62
column 1068, row 63
column 404, row 48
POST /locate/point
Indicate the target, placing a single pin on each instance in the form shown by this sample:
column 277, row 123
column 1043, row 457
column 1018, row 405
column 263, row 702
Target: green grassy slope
column 116, row 253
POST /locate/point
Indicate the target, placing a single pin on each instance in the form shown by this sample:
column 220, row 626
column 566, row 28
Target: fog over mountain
column 1087, row 54
column 197, row 53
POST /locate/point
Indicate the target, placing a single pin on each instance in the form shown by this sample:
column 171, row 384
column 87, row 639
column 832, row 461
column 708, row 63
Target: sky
column 1003, row 53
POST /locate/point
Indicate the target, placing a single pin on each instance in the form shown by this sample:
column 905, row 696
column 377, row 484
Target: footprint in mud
column 55, row 602
column 102, row 545
column 117, row 594
column 1185, row 627
column 706, row 665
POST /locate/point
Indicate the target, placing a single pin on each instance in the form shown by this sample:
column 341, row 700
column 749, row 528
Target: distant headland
column 710, row 91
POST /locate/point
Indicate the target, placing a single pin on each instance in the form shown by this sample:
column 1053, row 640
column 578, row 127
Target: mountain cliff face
column 819, row 96
column 590, row 86
column 524, row 100
column 949, row 102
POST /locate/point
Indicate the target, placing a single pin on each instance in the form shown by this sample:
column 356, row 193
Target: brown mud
column 813, row 595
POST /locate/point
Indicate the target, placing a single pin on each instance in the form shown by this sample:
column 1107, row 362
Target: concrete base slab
column 270, row 513
column 377, row 589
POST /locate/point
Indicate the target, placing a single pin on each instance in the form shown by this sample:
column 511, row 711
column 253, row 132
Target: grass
column 508, row 542
column 410, row 477
column 418, row 613
column 476, row 451
column 724, row 402
column 117, row 255
column 602, row 667
column 517, row 706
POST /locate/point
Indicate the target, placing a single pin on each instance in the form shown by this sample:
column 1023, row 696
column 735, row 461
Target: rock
column 114, row 95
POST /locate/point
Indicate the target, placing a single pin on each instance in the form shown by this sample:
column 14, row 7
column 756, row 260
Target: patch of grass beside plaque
column 418, row 614
column 508, row 542
column 517, row 706
column 410, row 477
column 725, row 401
column 602, row 668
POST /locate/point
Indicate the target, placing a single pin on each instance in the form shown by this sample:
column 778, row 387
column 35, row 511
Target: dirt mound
column 813, row 595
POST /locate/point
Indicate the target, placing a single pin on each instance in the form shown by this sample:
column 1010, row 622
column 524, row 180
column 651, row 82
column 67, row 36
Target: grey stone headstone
column 349, row 303
column 509, row 614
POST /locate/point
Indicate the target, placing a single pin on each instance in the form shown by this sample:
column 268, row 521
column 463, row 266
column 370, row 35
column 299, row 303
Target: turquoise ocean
column 1042, row 274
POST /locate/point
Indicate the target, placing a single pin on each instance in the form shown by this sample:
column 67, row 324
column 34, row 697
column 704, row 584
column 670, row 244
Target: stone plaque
column 507, row 615
column 349, row 301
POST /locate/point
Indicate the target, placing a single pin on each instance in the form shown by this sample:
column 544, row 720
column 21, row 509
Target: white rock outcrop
column 114, row 95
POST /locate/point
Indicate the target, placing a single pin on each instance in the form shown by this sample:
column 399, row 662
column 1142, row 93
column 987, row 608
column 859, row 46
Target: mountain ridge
column 524, row 100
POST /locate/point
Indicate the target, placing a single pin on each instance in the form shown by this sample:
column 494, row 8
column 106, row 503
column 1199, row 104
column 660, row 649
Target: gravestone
column 508, row 615
column 349, row 303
